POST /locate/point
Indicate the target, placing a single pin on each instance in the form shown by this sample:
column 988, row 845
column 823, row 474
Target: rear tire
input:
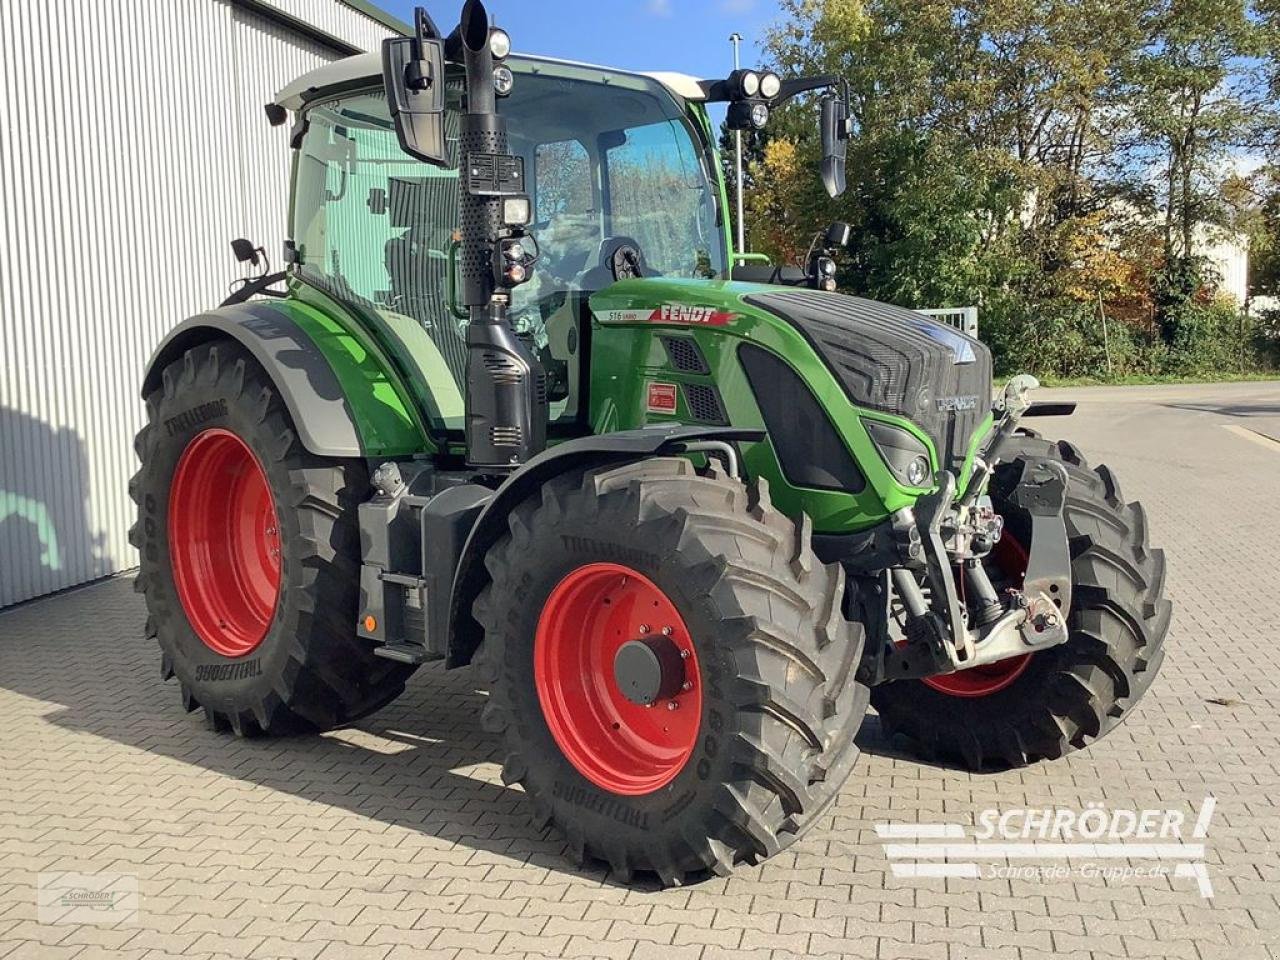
column 778, row 705
column 302, row 667
column 1071, row 695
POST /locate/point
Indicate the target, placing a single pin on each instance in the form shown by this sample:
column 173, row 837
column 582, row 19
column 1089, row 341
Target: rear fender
column 343, row 402
column 593, row 451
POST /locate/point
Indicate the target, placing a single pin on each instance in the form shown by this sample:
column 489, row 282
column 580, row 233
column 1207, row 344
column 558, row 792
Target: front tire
column 761, row 735
column 250, row 555
column 1061, row 699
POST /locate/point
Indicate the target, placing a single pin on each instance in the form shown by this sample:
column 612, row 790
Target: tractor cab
column 623, row 182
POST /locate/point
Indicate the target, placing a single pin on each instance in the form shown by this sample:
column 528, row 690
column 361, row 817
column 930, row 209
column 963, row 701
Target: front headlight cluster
column 903, row 452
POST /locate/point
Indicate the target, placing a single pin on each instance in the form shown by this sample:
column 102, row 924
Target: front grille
column 897, row 361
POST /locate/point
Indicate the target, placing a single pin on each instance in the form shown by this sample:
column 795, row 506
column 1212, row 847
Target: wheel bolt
column 671, row 705
column 644, row 628
column 684, row 654
column 666, row 631
column 687, row 685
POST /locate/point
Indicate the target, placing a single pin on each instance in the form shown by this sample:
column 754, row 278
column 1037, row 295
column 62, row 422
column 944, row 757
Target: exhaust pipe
column 506, row 406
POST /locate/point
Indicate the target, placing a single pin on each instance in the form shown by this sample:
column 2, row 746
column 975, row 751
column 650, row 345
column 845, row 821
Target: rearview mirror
column 244, row 251
column 835, row 143
column 413, row 72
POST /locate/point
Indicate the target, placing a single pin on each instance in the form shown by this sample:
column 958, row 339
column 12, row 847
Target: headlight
column 770, row 85
column 750, row 83
column 516, row 211
column 499, row 43
column 918, row 471
column 903, row 452
column 503, row 80
column 759, row 115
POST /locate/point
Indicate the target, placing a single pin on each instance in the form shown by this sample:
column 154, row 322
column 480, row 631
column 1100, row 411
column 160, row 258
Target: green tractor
column 518, row 404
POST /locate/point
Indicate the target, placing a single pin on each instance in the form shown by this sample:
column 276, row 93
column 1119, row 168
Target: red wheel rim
column 1010, row 558
column 618, row 745
column 224, row 543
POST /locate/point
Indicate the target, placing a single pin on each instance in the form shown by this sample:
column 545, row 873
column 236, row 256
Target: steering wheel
column 619, row 258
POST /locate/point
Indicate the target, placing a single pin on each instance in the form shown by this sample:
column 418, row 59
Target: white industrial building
column 134, row 149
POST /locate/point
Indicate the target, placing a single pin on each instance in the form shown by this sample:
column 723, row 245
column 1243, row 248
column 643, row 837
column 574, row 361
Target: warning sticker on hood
column 662, row 397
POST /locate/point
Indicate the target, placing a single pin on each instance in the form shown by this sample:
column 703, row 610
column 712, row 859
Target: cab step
column 412, row 653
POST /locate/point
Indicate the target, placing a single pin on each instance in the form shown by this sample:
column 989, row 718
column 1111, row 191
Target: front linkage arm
column 947, row 541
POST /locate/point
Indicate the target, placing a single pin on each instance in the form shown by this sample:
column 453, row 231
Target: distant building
column 1227, row 254
column 135, row 149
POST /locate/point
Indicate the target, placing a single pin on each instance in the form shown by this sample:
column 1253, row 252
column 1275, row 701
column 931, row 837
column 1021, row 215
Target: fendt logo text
column 954, row 404
column 681, row 313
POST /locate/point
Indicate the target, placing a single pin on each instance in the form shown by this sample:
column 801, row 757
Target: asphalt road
column 397, row 837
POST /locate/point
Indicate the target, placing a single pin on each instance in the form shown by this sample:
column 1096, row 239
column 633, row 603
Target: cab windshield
column 608, row 156
column 613, row 155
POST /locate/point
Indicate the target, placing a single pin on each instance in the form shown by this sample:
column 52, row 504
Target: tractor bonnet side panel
column 712, row 353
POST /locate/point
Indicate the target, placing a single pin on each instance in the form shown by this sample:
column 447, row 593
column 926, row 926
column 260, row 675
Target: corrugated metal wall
column 133, row 148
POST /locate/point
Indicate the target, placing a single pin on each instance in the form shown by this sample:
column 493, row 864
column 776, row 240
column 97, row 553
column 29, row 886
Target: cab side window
column 567, row 226
column 374, row 227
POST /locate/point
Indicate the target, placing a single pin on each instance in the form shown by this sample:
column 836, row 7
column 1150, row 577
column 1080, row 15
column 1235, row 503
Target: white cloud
column 659, row 8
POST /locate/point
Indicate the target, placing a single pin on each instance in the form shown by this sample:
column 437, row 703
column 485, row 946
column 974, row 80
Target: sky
column 687, row 36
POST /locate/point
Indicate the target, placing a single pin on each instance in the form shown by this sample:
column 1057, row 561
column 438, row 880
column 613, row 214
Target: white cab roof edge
column 359, row 67
column 368, row 66
column 681, row 84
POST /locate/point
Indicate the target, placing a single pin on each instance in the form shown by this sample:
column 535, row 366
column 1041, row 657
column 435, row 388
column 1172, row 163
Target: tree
column 1255, row 204
column 1197, row 94
column 753, row 151
column 1051, row 161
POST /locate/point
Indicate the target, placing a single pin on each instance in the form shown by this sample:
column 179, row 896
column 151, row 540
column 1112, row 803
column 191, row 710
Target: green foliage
column 1049, row 161
column 1264, row 234
column 1266, row 339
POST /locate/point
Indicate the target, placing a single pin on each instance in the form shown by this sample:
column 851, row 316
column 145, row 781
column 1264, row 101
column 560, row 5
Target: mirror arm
column 793, row 88
column 424, row 26
column 721, row 91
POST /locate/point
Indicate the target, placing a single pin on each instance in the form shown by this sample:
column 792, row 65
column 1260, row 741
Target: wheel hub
column 648, row 669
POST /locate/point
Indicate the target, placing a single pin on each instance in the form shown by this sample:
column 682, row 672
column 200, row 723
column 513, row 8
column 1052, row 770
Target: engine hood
column 896, row 361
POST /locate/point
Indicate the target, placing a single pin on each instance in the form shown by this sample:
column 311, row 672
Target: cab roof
column 368, row 66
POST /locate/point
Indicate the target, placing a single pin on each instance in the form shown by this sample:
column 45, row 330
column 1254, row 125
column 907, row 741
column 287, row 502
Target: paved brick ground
column 397, row 838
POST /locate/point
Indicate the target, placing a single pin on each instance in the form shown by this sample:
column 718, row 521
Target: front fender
column 341, row 397
column 596, row 450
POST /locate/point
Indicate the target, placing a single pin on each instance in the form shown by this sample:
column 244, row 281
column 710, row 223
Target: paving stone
column 396, row 838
